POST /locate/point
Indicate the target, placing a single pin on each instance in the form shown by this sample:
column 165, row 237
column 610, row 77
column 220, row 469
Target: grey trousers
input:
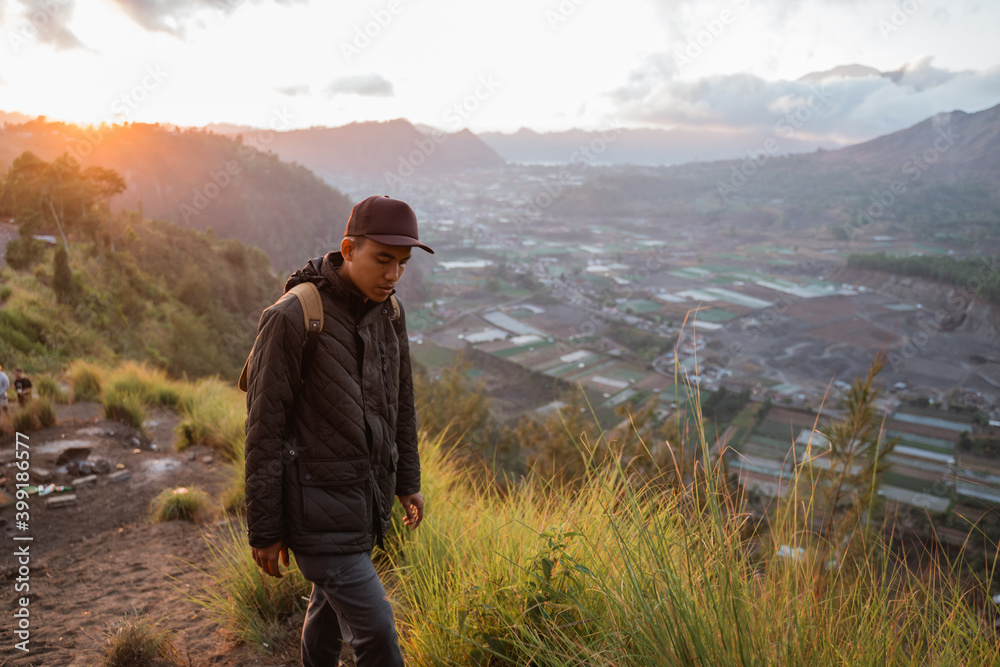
column 348, row 603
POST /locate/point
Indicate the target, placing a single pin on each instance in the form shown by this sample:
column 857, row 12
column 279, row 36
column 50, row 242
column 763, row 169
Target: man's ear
column 346, row 248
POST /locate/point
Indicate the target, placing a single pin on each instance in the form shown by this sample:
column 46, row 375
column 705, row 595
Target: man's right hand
column 267, row 557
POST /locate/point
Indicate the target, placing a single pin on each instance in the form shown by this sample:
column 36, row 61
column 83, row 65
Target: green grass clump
column 37, row 414
column 214, row 415
column 252, row 606
column 137, row 641
column 152, row 384
column 85, row 379
column 48, row 387
column 181, row 504
column 123, row 405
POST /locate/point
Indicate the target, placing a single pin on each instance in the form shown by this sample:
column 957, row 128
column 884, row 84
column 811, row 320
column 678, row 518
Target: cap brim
column 394, row 240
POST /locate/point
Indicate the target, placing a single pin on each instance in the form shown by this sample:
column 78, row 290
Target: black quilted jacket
column 322, row 468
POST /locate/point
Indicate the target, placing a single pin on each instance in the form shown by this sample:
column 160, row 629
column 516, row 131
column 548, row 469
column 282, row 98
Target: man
column 330, row 443
column 23, row 387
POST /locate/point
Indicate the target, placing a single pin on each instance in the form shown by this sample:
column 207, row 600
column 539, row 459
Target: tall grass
column 620, row 574
column 85, row 378
column 38, row 413
column 48, row 387
column 214, row 415
column 251, row 606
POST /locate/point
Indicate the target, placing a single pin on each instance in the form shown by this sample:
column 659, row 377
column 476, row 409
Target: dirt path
column 100, row 559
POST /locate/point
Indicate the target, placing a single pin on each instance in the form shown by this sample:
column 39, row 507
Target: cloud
column 171, row 16
column 49, row 19
column 843, row 109
column 294, row 89
column 366, row 85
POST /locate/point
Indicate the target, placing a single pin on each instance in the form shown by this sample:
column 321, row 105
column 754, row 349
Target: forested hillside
column 200, row 180
column 117, row 285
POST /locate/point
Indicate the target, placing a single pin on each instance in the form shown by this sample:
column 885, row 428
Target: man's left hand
column 413, row 504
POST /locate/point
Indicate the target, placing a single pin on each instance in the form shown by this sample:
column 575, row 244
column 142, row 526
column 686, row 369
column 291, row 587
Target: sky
column 547, row 65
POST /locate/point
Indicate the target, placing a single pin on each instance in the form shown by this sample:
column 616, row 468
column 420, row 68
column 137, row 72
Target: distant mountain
column 651, row 147
column 938, row 177
column 946, row 147
column 373, row 148
column 201, row 180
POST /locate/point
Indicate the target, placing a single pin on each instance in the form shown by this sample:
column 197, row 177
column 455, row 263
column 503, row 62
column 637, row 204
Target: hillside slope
column 201, row 180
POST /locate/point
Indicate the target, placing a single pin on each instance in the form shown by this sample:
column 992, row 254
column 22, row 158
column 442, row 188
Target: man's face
column 374, row 268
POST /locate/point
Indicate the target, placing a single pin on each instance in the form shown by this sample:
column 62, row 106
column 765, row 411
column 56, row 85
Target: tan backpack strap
column 312, row 317
column 243, row 376
column 395, row 306
column 312, row 306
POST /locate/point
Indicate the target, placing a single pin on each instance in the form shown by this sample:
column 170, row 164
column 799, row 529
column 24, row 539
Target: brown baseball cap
column 386, row 220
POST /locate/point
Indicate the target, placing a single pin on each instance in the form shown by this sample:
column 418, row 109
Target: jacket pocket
column 335, row 494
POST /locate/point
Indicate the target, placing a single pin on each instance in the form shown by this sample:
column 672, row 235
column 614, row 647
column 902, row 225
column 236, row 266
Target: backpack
column 312, row 316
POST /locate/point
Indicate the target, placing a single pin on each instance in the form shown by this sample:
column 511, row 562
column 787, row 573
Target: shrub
column 180, row 504
column 136, row 641
column 85, row 379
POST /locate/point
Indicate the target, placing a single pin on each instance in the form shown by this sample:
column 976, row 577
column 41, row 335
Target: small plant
column 86, row 381
column 137, row 641
column 180, row 504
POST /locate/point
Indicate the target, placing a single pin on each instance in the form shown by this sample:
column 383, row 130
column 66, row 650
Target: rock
column 191, row 456
column 73, row 454
column 62, row 500
column 80, row 481
column 120, row 476
column 135, row 441
column 102, row 466
column 41, row 474
column 207, row 459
